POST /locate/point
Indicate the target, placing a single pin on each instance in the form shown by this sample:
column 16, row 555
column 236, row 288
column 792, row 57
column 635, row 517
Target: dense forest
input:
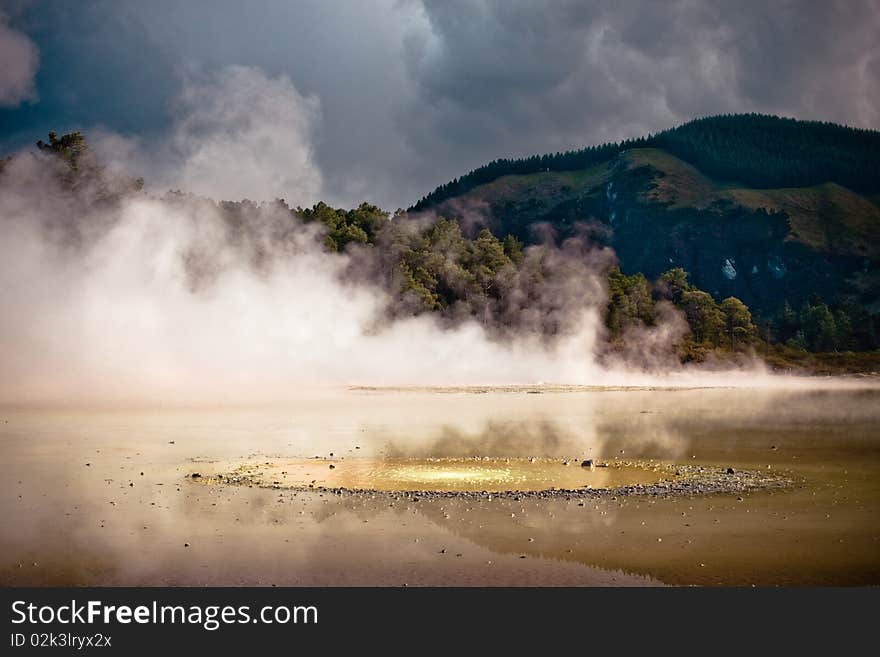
column 432, row 267
column 755, row 150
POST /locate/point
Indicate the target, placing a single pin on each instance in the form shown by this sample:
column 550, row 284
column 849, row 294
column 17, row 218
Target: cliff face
column 765, row 246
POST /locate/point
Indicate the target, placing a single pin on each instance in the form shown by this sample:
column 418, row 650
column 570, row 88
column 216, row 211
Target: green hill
column 766, row 209
column 758, row 150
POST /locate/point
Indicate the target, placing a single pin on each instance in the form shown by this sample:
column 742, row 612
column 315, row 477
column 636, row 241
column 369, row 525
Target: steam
column 650, row 348
column 21, row 59
column 238, row 133
column 159, row 299
column 118, row 296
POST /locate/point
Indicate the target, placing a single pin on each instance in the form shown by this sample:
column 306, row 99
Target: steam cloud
column 177, row 299
column 238, row 133
column 20, row 59
column 161, row 299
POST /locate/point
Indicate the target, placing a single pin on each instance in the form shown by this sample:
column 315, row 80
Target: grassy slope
column 826, row 217
column 682, row 185
column 547, row 188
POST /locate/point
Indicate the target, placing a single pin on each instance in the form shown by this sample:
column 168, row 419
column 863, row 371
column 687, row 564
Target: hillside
column 763, row 241
column 758, row 150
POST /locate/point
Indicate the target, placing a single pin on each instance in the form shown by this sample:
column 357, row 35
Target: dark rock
column 588, row 463
column 195, row 475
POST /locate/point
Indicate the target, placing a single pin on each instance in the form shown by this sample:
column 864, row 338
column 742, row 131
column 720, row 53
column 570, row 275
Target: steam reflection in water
column 92, row 497
column 438, row 474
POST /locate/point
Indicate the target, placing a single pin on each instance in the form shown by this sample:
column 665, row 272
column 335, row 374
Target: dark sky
column 383, row 100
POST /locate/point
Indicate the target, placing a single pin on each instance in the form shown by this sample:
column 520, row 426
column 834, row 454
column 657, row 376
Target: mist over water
column 157, row 299
column 114, row 295
column 164, row 299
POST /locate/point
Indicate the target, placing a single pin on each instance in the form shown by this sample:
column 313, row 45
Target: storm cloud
column 385, row 100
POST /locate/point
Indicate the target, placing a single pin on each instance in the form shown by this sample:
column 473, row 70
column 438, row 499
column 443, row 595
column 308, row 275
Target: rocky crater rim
column 673, row 479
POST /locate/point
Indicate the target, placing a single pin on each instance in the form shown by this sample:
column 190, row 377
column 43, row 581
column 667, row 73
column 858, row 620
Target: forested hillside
column 779, row 213
column 751, row 149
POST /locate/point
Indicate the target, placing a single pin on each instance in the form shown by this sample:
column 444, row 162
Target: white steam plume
column 109, row 310
column 149, row 299
column 20, row 60
column 238, row 133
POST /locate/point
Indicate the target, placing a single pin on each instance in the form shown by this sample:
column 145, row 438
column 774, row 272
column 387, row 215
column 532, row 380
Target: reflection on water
column 101, row 497
column 454, row 475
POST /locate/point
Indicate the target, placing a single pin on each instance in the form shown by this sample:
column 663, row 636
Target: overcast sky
column 383, row 100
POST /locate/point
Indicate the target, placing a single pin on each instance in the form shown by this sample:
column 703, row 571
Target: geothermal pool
column 451, row 476
column 484, row 477
column 106, row 496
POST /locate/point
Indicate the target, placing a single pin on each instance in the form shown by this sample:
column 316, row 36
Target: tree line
column 431, row 267
column 755, row 150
